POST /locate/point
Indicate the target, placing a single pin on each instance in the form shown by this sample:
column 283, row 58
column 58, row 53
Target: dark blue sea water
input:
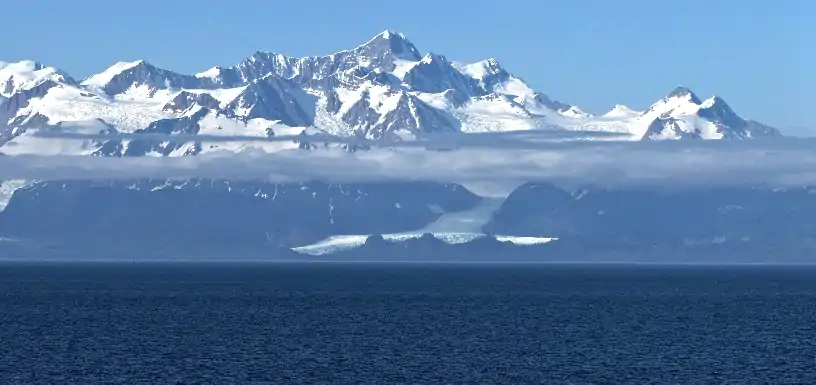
column 400, row 323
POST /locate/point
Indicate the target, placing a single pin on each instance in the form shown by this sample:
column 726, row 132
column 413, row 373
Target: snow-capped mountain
column 383, row 89
column 682, row 115
column 26, row 75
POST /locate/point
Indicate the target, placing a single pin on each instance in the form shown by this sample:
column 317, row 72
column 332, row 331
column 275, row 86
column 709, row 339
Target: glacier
column 452, row 228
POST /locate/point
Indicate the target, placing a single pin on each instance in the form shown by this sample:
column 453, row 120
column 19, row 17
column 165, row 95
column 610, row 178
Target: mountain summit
column 383, row 89
column 682, row 115
column 683, row 92
column 389, row 43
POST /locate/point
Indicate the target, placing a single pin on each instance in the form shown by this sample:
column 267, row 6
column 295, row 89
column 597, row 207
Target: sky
column 756, row 54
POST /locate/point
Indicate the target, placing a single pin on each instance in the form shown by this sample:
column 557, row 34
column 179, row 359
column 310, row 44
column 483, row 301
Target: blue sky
column 757, row 54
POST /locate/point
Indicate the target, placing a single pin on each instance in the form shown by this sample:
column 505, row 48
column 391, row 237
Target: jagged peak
column 266, row 56
column 381, row 50
column 716, row 108
column 124, row 76
column 683, row 92
column 103, row 78
column 389, row 42
column 680, row 100
column 387, row 35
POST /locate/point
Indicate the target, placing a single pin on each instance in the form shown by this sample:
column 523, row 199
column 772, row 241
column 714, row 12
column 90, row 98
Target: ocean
column 325, row 323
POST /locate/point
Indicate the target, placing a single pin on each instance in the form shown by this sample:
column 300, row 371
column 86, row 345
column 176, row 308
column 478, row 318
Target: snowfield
column 384, row 89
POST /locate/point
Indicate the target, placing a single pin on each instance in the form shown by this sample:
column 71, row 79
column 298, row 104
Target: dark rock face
column 188, row 125
column 271, row 98
column 731, row 124
column 145, row 74
column 732, row 213
column 186, row 100
column 222, row 213
column 206, row 219
column 436, row 74
column 13, row 124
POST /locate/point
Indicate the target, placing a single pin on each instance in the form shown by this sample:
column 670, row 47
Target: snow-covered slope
column 682, row 115
column 26, row 75
column 383, row 89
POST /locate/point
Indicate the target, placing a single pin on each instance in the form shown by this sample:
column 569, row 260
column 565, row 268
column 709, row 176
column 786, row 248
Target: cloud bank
column 471, row 159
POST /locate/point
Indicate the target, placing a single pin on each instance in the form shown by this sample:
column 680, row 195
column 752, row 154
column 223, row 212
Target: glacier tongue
column 451, row 228
column 339, row 243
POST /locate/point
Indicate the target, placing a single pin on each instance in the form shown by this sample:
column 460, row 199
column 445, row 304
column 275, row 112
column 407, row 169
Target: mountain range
column 384, row 89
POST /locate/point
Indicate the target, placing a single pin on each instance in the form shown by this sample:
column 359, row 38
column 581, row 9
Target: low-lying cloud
column 474, row 159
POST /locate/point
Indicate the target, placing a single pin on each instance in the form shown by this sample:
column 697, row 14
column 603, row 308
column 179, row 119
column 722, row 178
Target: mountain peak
column 103, row 78
column 28, row 65
column 26, row 74
column 389, row 42
column 213, row 72
column 491, row 63
column 124, row 65
column 482, row 69
column 621, row 111
column 683, row 92
column 716, row 109
column 123, row 76
column 389, row 34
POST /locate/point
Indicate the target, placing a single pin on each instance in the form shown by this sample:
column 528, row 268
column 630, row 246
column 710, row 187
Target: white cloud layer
column 500, row 159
